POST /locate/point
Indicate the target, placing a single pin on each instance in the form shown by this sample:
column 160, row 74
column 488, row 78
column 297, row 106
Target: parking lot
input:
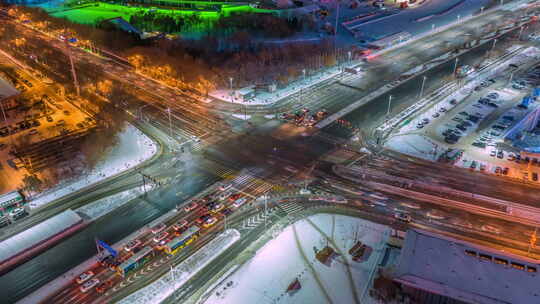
column 42, row 115
column 480, row 123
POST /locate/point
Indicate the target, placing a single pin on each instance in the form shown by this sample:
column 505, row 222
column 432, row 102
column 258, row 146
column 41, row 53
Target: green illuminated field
column 99, row 11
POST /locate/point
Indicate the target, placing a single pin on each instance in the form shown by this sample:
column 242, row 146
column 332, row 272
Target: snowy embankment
column 291, row 256
column 241, row 116
column 99, row 208
column 164, row 287
column 133, row 148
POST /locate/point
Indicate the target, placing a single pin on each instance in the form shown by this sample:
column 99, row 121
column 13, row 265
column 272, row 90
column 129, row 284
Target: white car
column 131, row 245
column 190, row 206
column 85, row 276
column 158, row 228
column 89, row 285
column 225, row 187
column 404, row 217
column 161, row 236
column 239, row 202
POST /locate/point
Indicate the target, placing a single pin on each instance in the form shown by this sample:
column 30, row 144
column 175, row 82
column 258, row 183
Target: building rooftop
column 6, row 89
column 467, row 272
column 31, row 237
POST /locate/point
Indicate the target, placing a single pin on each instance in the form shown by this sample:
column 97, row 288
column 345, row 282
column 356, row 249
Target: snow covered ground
column 99, row 208
column 269, row 98
column 291, row 255
column 242, row 116
column 133, row 148
column 162, row 288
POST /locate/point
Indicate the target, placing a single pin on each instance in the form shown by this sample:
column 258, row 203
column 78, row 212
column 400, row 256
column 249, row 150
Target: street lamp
column 170, row 123
column 422, row 87
column 389, row 105
column 455, row 66
column 493, row 46
column 230, row 83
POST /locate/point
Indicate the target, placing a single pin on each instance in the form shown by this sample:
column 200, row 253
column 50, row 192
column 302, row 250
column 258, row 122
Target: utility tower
column 73, row 71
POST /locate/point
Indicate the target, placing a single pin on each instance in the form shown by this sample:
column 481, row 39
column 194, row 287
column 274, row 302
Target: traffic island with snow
column 324, row 258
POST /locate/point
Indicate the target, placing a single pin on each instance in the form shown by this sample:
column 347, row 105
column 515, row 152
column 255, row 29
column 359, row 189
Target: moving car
column 104, row 286
column 180, row 225
column 191, row 206
column 132, row 245
column 160, row 236
column 85, row 276
column 89, row 285
column 403, row 217
column 239, row 202
column 158, row 228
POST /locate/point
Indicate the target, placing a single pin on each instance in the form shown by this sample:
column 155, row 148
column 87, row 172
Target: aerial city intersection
column 353, row 151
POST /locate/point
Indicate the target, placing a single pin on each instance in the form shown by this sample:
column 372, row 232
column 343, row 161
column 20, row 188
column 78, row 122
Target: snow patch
column 279, row 262
column 164, row 287
column 133, row 148
column 101, row 207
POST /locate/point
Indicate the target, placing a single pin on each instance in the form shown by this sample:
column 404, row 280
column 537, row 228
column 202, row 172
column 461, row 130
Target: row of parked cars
column 530, row 79
column 464, row 121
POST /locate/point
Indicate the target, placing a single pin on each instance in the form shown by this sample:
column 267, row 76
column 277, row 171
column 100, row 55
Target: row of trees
column 236, row 49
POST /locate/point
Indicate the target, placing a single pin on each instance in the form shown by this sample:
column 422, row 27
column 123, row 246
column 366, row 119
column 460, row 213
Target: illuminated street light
column 389, row 105
column 422, row 87
column 170, row 123
column 455, row 66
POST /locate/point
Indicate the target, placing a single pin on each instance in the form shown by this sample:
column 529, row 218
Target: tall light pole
column 265, row 208
column 230, row 83
column 172, row 276
column 389, row 105
column 493, row 46
column 336, row 27
column 422, row 87
column 511, row 76
column 301, row 87
column 170, row 123
column 455, row 66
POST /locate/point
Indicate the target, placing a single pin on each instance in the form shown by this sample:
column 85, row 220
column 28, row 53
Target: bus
column 182, row 241
column 136, row 261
